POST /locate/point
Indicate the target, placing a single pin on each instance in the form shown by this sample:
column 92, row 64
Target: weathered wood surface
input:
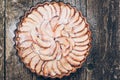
column 15, row 70
column 2, row 19
column 103, row 63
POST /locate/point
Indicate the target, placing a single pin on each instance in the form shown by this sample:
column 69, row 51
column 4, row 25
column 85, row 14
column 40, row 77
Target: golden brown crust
column 53, row 39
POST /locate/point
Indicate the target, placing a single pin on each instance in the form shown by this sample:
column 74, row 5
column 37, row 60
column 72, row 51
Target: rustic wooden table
column 103, row 63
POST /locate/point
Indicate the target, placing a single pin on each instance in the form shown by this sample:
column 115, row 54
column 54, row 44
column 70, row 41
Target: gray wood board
column 15, row 70
column 2, row 19
column 103, row 62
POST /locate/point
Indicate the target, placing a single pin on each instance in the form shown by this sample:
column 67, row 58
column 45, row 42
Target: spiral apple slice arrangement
column 53, row 39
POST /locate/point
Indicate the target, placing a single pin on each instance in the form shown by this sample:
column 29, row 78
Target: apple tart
column 53, row 39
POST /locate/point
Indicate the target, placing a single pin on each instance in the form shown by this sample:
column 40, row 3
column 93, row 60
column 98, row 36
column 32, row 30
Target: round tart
column 53, row 39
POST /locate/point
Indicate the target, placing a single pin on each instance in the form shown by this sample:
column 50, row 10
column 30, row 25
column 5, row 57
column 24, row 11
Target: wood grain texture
column 2, row 18
column 104, row 58
column 15, row 70
column 103, row 63
column 92, row 18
